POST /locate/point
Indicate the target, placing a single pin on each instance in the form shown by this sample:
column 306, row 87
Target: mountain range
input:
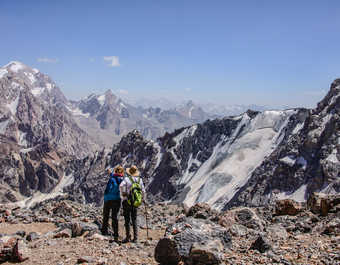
column 52, row 146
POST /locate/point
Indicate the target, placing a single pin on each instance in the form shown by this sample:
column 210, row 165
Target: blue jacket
column 112, row 192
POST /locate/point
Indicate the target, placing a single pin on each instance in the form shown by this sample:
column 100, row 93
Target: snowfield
column 234, row 159
column 38, row 197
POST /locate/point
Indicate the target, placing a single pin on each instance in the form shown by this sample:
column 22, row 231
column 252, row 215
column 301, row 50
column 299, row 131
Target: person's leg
column 126, row 212
column 106, row 213
column 134, row 223
column 115, row 211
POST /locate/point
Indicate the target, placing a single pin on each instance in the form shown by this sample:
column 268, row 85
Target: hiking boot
column 126, row 240
column 134, row 240
column 116, row 239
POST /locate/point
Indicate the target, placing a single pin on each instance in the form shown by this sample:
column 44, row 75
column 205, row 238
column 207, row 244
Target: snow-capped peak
column 14, row 66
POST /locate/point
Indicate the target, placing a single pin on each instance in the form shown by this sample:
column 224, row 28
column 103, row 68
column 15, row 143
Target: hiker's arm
column 107, row 187
column 122, row 189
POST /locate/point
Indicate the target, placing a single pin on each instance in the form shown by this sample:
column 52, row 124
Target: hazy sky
column 232, row 52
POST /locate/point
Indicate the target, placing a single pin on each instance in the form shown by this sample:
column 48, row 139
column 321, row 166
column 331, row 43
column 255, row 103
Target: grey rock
column 32, row 236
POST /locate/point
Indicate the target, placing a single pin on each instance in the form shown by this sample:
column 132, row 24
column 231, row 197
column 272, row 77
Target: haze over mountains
column 103, row 118
column 106, row 117
column 48, row 147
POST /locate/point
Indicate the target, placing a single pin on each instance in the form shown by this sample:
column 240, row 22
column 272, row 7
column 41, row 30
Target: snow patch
column 35, row 70
column 37, row 91
column 31, row 77
column 333, row 157
column 13, row 105
column 298, row 128
column 15, row 85
column 38, row 197
column 26, row 150
column 16, row 66
column 22, row 139
column 190, row 111
column 298, row 195
column 302, row 162
column 3, row 126
column 49, row 87
column 3, row 72
column 78, row 112
column 288, row 160
column 101, row 100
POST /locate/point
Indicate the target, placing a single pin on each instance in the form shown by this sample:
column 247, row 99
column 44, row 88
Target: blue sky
column 230, row 52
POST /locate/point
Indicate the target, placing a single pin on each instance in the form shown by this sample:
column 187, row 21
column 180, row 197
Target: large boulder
column 321, row 203
column 193, row 241
column 288, row 207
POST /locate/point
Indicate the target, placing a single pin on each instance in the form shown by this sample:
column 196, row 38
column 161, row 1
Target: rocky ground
column 62, row 231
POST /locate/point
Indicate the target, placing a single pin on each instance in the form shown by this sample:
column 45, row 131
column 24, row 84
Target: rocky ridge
column 109, row 118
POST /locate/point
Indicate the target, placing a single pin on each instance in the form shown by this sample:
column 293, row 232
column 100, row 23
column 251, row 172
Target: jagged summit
column 331, row 100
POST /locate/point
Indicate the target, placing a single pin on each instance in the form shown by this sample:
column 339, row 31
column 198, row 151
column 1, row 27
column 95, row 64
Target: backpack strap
column 131, row 179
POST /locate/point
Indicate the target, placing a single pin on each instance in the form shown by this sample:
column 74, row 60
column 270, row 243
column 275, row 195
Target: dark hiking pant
column 130, row 214
column 113, row 207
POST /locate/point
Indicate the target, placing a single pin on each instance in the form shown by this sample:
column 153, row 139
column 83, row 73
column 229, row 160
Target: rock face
column 37, row 133
column 33, row 112
column 306, row 160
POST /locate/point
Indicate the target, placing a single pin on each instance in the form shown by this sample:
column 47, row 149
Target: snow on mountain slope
column 252, row 158
column 234, row 158
column 32, row 111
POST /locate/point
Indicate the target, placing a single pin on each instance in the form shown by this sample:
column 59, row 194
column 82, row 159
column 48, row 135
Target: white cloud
column 122, row 91
column 47, row 60
column 114, row 61
column 188, row 89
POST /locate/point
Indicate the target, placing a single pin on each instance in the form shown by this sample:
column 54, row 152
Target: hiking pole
column 146, row 221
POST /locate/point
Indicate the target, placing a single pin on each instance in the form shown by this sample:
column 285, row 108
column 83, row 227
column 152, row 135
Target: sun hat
column 133, row 171
column 119, row 170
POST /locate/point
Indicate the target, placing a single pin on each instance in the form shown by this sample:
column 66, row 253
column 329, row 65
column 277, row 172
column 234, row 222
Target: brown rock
column 287, row 207
column 66, row 233
column 7, row 213
column 77, row 230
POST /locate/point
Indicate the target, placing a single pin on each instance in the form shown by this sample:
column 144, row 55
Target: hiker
column 131, row 190
column 112, row 200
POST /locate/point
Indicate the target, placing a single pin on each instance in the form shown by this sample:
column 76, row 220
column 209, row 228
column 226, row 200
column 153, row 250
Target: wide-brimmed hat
column 119, row 170
column 133, row 171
